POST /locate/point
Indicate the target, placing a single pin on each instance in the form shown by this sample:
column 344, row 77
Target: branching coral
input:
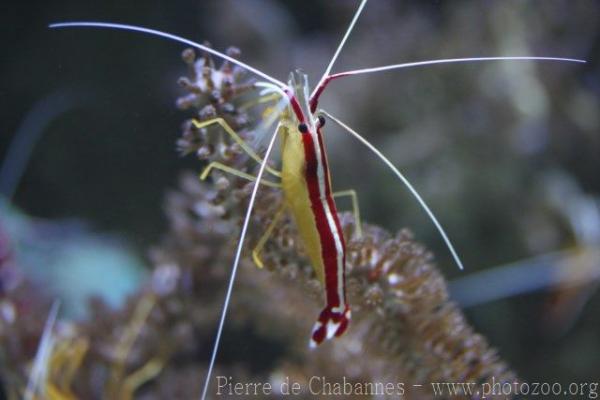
column 404, row 329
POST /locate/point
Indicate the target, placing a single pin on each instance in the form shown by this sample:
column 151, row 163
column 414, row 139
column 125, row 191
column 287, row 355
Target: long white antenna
column 327, row 79
column 236, row 261
column 406, row 183
column 448, row 61
column 341, row 45
column 166, row 35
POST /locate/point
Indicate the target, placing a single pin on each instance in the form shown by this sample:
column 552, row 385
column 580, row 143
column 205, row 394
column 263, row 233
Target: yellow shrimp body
column 306, row 185
column 296, row 195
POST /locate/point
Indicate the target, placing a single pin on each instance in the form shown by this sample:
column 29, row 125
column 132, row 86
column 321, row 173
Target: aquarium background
column 506, row 154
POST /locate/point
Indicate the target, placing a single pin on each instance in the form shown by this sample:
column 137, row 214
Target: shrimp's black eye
column 303, row 128
column 321, row 121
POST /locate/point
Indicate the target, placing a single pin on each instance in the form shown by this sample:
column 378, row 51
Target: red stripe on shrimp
column 333, row 319
column 341, row 275
column 329, row 251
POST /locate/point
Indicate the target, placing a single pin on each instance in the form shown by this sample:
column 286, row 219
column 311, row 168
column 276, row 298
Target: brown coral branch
column 405, row 330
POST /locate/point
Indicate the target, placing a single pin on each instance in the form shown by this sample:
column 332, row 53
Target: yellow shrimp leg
column 355, row 209
column 261, row 242
column 221, row 122
column 225, row 168
column 236, row 172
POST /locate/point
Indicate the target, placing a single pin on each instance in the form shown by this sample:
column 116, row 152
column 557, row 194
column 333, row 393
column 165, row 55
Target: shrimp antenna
column 236, row 261
column 341, row 45
column 406, row 183
column 448, row 61
column 110, row 25
column 324, row 82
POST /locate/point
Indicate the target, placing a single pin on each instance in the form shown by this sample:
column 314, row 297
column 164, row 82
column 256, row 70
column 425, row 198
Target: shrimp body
column 306, row 184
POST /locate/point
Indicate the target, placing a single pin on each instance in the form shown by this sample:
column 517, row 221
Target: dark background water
column 505, row 153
